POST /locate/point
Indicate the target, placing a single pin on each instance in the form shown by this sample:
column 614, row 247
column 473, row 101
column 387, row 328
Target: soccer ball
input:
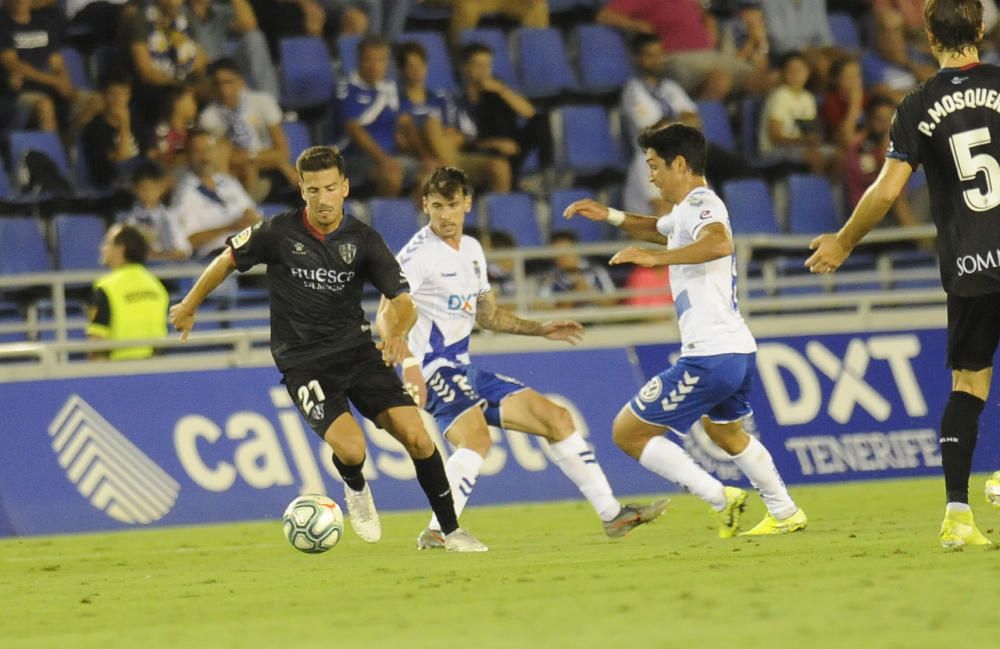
column 993, row 489
column 313, row 523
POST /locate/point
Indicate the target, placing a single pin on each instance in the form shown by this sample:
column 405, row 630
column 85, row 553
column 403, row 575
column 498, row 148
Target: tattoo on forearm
column 490, row 316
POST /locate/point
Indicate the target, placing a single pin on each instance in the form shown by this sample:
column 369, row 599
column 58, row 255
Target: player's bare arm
column 492, row 317
column 833, row 249
column 637, row 225
column 713, row 242
column 393, row 321
column 413, row 378
column 182, row 313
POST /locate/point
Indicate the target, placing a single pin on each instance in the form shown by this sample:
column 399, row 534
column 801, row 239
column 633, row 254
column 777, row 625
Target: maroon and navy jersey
column 950, row 124
column 315, row 282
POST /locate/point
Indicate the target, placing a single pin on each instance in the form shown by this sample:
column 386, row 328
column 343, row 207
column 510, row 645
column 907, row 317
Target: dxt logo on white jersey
column 463, row 303
column 107, row 469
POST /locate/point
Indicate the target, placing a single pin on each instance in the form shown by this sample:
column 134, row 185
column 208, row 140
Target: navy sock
column 434, row 481
column 959, row 431
column 351, row 473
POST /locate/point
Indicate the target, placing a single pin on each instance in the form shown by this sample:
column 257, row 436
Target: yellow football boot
column 729, row 518
column 993, row 489
column 771, row 525
column 959, row 530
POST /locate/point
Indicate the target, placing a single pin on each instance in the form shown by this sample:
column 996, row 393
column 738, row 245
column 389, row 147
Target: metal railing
column 760, row 296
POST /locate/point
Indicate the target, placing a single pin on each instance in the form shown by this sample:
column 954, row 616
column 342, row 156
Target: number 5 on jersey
column 969, row 166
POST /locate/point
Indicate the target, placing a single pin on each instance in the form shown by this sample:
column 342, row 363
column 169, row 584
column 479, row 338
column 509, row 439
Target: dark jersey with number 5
column 951, row 125
column 315, row 282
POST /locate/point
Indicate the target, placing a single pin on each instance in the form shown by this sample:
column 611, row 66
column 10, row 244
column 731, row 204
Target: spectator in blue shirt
column 435, row 135
column 369, row 107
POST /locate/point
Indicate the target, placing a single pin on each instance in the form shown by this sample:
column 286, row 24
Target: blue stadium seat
column 496, row 40
column 603, row 58
column 48, row 143
column 751, row 210
column 22, row 246
column 297, row 134
column 750, row 113
column 6, row 191
column 10, row 316
column 514, row 214
column 76, row 319
column 347, row 52
column 716, row 125
column 873, row 69
column 923, row 262
column 588, row 147
column 859, row 272
column 845, row 31
column 542, row 63
column 395, row 219
column 793, row 268
column 811, row 206
column 440, row 75
column 588, row 231
column 76, row 66
column 306, row 76
column 78, row 240
column 755, row 273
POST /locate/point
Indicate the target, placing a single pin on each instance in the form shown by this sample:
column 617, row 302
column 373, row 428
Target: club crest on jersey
column 475, row 267
column 347, row 252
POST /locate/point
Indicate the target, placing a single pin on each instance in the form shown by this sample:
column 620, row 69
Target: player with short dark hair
column 441, row 263
column 318, row 259
column 950, row 124
column 711, row 380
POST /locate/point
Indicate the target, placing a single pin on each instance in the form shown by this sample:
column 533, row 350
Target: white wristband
column 409, row 362
column 615, row 217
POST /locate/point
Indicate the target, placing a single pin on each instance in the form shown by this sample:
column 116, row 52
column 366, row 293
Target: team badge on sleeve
column 241, row 238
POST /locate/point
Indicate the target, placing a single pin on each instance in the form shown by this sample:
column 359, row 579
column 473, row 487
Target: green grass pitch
column 868, row 573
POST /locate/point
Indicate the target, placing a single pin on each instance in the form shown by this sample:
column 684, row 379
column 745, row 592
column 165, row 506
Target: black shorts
column 973, row 331
column 321, row 389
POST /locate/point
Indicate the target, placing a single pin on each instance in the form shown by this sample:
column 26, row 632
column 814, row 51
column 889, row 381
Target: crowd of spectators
column 179, row 107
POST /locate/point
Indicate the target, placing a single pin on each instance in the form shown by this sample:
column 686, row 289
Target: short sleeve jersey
column 438, row 105
column 446, row 285
column 36, row 41
column 315, row 282
column 376, row 108
column 705, row 294
column 950, row 124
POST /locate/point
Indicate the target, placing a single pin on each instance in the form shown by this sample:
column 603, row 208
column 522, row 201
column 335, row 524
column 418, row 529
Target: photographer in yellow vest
column 129, row 302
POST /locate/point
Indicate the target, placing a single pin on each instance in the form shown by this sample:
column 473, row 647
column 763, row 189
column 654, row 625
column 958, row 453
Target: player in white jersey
column 711, row 379
column 447, row 275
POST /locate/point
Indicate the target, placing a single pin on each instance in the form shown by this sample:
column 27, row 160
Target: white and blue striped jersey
column 446, row 285
column 705, row 294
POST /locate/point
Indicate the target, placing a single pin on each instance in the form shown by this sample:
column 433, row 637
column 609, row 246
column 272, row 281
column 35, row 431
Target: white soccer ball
column 313, row 523
column 993, row 489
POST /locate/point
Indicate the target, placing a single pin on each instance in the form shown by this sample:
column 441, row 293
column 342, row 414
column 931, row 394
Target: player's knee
column 416, row 441
column 731, row 438
column 478, row 441
column 559, row 422
column 627, row 436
